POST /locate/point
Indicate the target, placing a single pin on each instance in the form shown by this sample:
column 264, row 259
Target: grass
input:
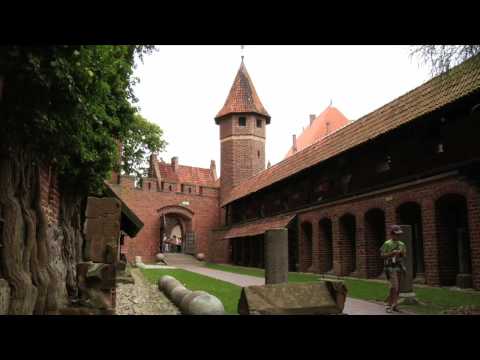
column 228, row 293
column 431, row 300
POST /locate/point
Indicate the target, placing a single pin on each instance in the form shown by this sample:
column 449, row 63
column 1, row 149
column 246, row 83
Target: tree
column 441, row 58
column 142, row 138
column 64, row 106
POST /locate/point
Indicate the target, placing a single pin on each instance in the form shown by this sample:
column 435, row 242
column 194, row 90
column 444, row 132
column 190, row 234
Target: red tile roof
column 187, row 175
column 330, row 120
column 242, row 97
column 258, row 227
column 432, row 95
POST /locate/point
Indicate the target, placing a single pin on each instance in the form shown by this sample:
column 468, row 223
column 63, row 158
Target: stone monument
column 276, row 256
column 407, row 295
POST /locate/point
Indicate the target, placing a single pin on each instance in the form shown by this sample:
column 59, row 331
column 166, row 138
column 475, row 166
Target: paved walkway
column 352, row 306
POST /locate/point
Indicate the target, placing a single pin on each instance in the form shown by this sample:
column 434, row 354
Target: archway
column 410, row 213
column 453, row 240
column 325, row 245
column 176, row 233
column 348, row 237
column 306, row 249
column 374, row 238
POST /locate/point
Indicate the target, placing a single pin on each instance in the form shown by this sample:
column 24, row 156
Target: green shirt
column 390, row 245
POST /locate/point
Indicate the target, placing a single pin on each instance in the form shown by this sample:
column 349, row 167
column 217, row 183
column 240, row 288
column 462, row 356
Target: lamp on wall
column 440, row 148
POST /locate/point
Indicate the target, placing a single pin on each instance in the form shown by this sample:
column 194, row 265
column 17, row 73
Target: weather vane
column 242, row 47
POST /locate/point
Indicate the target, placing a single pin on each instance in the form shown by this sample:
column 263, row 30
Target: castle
column 414, row 161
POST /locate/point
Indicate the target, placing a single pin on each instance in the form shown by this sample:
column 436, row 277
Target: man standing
column 393, row 252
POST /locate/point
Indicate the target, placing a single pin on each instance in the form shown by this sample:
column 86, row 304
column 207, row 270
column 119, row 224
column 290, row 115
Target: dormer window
column 242, row 121
column 259, row 123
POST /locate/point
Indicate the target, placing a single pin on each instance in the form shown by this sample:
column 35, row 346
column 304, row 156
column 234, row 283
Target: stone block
column 102, row 229
column 4, row 297
column 322, row 298
column 97, row 207
column 276, row 256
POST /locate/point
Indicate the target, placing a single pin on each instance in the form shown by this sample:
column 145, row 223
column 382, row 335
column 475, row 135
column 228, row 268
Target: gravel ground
column 142, row 298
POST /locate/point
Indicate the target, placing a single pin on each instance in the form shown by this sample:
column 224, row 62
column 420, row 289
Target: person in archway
column 393, row 252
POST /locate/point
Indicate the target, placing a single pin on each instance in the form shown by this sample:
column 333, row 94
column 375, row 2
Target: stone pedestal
column 276, row 256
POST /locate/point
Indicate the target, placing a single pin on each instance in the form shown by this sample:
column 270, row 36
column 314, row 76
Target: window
column 259, row 123
column 258, row 154
column 242, row 121
column 169, row 187
column 189, row 190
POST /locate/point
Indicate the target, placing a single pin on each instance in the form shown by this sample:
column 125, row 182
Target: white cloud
column 183, row 87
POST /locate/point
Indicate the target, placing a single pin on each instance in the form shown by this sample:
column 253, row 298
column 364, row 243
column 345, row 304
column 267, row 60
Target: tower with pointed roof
column 242, row 122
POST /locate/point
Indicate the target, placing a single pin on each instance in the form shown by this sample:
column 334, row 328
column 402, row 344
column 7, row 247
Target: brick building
column 413, row 161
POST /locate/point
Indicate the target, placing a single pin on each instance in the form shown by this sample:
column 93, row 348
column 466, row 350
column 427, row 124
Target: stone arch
column 348, row 241
column 454, row 251
column 375, row 236
column 306, row 231
column 325, row 248
column 172, row 217
column 410, row 213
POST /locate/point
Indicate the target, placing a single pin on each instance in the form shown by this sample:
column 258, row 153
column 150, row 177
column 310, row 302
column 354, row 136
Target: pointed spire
column 243, row 97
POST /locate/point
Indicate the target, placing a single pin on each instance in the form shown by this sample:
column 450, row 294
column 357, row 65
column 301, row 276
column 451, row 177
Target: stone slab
column 276, row 256
column 322, row 298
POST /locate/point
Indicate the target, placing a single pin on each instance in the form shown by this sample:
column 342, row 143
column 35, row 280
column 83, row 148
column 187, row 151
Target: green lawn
column 228, row 293
column 432, row 300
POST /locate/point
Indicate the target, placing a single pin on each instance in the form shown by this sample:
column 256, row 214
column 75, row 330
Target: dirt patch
column 142, row 298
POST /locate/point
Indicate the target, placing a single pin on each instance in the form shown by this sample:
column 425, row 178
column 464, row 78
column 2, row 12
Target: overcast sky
column 183, row 87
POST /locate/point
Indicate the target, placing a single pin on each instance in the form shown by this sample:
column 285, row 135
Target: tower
column 242, row 121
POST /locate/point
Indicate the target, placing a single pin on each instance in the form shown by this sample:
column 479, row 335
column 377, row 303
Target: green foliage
column 142, row 137
column 441, row 58
column 70, row 104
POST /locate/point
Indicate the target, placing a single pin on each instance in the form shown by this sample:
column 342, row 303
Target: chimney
column 294, row 147
column 269, row 165
column 153, row 159
column 327, row 124
column 213, row 169
column 175, row 163
column 312, row 118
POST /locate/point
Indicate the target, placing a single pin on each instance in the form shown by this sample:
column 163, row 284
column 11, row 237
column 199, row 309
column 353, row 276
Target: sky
column 182, row 88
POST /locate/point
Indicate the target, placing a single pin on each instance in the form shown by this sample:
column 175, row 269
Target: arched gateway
column 176, row 230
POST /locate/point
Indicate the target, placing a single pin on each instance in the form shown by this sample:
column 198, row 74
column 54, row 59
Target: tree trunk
column 37, row 259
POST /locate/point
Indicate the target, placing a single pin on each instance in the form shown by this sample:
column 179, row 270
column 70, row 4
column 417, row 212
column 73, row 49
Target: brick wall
column 241, row 158
column 146, row 203
column 368, row 261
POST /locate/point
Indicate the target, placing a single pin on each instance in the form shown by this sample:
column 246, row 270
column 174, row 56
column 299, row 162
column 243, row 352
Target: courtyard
column 365, row 297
